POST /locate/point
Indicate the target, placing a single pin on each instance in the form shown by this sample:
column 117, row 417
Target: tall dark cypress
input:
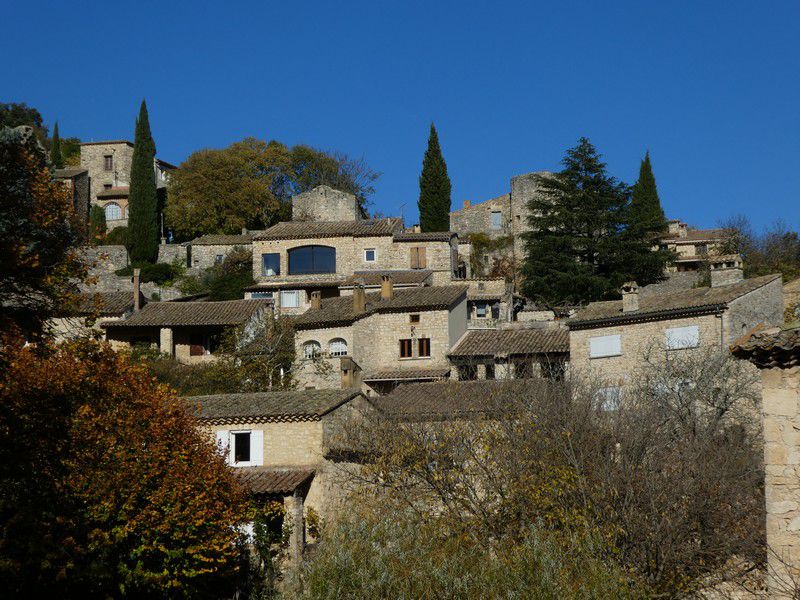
column 434, row 188
column 646, row 208
column 55, row 149
column 142, row 198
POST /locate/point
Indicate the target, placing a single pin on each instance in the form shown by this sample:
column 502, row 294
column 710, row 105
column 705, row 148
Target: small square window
column 218, row 259
column 369, row 255
column 106, row 186
column 241, row 447
column 480, row 311
column 413, row 318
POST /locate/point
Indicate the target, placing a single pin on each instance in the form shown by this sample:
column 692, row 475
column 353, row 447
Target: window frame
column 314, row 353
column 108, row 162
column 415, row 318
column 406, row 343
column 341, row 342
column 423, row 347
column 499, row 225
column 374, row 255
column 691, row 340
column 294, row 254
column 285, row 293
column 277, row 257
column 262, row 295
column 117, row 206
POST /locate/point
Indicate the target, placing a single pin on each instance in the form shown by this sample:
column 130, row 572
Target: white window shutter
column 682, row 337
column 605, row 345
column 257, row 447
column 223, row 442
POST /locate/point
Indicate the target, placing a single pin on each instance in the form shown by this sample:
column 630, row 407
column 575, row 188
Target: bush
column 117, row 236
column 160, row 273
column 225, row 281
column 97, row 224
column 376, row 554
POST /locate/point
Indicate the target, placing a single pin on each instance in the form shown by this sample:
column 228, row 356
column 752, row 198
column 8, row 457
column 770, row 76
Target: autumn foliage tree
column 109, row 489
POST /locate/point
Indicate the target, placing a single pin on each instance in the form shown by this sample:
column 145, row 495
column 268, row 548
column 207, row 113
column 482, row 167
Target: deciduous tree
column 434, row 188
column 142, row 199
column 109, row 490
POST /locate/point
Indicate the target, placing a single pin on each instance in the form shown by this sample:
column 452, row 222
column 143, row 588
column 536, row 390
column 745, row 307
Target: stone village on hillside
column 398, row 317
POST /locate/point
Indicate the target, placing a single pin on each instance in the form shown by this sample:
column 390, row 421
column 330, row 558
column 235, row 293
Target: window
column 490, row 371
column 312, row 349
column 261, row 295
column 312, row 259
column 418, row 260
column 608, row 398
column 241, row 447
column 413, row 318
column 405, row 349
column 678, row 338
column 108, row 162
column 605, row 345
column 218, row 259
column 106, row 186
column 369, row 255
column 290, row 299
column 496, row 311
column 497, row 219
column 480, row 311
column 337, row 347
column 113, row 212
column 467, row 372
column 270, row 264
column 424, row 345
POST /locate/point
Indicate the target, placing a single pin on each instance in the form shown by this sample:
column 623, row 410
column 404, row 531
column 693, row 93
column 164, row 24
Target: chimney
column 316, row 300
column 726, row 270
column 359, row 300
column 244, row 230
column 387, row 288
column 137, row 290
column 466, row 204
column 630, row 297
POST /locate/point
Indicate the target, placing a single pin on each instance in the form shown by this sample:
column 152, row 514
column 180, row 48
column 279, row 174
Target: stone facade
column 170, row 253
column 325, row 204
column 77, row 182
column 207, row 256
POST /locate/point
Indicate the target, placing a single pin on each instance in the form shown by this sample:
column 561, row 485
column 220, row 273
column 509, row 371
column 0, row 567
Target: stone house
column 379, row 339
column 693, row 247
column 505, row 215
column 209, row 250
column 77, row 181
column 293, row 259
column 188, row 331
column 283, row 445
column 108, row 164
column 510, row 354
column 776, row 352
column 82, row 317
column 611, row 340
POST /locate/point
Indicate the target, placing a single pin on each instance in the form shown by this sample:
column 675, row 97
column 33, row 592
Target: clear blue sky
column 711, row 88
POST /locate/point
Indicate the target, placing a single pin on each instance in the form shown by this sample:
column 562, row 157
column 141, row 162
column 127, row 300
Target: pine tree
column 434, row 188
column 142, row 199
column 55, row 149
column 576, row 248
column 645, row 223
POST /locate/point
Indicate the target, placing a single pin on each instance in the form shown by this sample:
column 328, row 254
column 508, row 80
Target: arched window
column 312, row 259
column 311, row 349
column 337, row 347
column 113, row 212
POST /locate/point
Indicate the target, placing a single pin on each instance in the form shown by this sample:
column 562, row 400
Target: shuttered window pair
column 242, row 448
column 418, row 259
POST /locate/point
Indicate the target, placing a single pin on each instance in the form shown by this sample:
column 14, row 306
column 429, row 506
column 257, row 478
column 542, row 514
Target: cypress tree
column 575, row 250
column 645, row 223
column 55, row 149
column 434, row 188
column 142, row 199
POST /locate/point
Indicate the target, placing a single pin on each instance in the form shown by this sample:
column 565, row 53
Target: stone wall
column 781, row 424
column 169, row 253
column 106, row 259
column 764, row 305
column 477, row 218
column 206, row 256
column 93, row 159
column 325, row 204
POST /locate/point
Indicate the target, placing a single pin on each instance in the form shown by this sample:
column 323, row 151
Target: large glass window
column 113, row 212
column 312, row 259
column 270, row 264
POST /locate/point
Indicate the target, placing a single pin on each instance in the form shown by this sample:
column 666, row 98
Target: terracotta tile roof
column 69, row 172
column 664, row 306
column 99, row 303
column 301, row 283
column 450, row 399
column 108, row 142
column 294, row 230
column 269, row 480
column 774, row 347
column 400, row 277
column 339, row 311
column 424, row 236
column 176, row 314
column 492, row 342
column 114, row 192
column 264, row 407
column 223, row 240
column 406, row 374
column 698, row 235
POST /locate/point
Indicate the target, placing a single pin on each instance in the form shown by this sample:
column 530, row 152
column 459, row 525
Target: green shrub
column 97, row 224
column 117, row 236
column 160, row 273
